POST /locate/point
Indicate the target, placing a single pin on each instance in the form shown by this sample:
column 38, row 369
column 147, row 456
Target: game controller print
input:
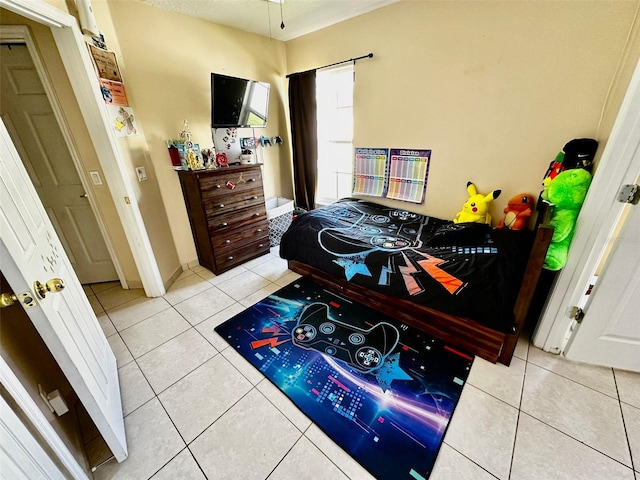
column 364, row 350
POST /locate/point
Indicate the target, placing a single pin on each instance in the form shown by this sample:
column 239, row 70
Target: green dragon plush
column 566, row 194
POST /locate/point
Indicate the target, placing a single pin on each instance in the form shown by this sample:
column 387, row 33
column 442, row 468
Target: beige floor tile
column 174, row 359
column 304, row 460
column 253, row 264
column 200, row 398
column 522, row 347
column 452, row 465
column 120, row 350
column 483, row 429
column 206, row 328
column 116, row 296
column 152, row 440
column 338, row 456
column 134, row 388
column 581, row 412
column 154, row 331
column 631, row 417
column 250, row 372
column 185, row 288
column 228, row 275
column 182, row 467
column 282, row 403
column 203, row 305
column 287, row 279
column 136, row 310
column 543, row 452
column 272, row 269
column 101, row 287
column 105, row 323
column 504, row 383
column 244, row 285
column 261, row 294
column 598, row 378
column 95, row 304
column 628, row 387
column 252, row 425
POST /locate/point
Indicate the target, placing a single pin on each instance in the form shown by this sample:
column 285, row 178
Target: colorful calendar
column 369, row 171
column 408, row 170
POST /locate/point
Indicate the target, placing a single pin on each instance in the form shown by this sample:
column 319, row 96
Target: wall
column 495, row 89
column 86, row 152
column 166, row 62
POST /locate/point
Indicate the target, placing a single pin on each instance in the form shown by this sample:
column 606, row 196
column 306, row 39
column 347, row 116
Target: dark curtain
column 304, row 137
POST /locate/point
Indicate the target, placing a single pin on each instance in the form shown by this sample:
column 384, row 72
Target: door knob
column 54, row 285
column 8, row 299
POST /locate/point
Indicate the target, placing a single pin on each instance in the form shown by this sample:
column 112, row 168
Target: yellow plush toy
column 476, row 208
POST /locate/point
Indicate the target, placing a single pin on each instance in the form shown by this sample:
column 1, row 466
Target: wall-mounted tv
column 237, row 102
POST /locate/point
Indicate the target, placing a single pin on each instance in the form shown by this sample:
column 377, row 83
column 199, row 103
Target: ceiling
column 263, row 17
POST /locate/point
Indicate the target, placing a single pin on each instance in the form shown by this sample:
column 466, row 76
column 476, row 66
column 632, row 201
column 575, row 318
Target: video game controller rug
column 382, row 390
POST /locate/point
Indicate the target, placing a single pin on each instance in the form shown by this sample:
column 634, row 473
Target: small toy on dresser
column 476, row 208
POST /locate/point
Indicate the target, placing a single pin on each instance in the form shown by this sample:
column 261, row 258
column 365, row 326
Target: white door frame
column 597, row 220
column 21, row 34
column 41, row 423
column 84, row 82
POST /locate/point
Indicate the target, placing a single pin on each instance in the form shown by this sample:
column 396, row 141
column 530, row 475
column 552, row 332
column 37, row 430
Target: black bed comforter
column 470, row 270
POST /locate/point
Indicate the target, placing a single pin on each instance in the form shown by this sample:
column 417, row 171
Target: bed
column 468, row 284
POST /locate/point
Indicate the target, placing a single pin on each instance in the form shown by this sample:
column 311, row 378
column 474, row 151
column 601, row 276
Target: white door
column 30, row 251
column 22, row 456
column 29, row 117
column 609, row 333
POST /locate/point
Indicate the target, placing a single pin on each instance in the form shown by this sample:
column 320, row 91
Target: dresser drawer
column 230, row 258
column 232, row 201
column 219, row 224
column 216, row 186
column 230, row 239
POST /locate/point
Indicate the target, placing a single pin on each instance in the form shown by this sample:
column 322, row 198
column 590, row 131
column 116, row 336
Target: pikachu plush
column 476, row 208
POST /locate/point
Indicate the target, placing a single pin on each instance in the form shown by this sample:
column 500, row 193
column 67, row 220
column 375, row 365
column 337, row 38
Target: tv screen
column 237, row 102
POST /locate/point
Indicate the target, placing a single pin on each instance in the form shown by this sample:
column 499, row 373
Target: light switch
column 142, row 174
column 95, row 177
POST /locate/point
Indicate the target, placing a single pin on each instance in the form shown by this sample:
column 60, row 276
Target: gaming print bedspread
column 470, row 270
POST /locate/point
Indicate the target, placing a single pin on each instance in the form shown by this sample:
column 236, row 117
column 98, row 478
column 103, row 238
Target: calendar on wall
column 399, row 174
column 369, row 171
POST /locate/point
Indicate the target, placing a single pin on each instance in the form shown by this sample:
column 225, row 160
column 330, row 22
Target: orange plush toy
column 517, row 212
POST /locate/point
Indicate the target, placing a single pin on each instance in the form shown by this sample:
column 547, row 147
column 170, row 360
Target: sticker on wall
column 106, row 64
column 113, row 93
column 123, row 120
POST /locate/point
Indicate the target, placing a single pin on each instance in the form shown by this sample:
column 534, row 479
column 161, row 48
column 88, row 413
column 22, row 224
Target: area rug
column 382, row 390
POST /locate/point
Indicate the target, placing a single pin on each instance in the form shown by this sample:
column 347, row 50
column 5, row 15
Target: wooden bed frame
column 469, row 335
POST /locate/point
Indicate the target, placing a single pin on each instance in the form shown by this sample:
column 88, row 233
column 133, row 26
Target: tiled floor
column 195, row 409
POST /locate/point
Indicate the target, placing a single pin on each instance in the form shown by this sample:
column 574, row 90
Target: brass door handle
column 8, row 299
column 55, row 285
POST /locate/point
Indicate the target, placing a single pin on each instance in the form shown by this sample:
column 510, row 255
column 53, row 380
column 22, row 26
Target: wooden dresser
column 227, row 215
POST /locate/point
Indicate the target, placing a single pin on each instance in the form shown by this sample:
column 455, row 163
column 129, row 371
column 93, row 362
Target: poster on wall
column 369, row 171
column 408, row 170
column 106, row 64
column 113, row 93
column 122, row 120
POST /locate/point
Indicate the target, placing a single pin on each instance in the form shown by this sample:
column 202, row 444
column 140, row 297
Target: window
column 334, row 97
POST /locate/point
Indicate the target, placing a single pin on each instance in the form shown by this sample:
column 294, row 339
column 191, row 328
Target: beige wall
column 495, row 89
column 166, row 61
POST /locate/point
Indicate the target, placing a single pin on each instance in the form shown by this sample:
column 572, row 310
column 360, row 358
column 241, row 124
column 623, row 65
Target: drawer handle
column 256, row 214
column 254, row 198
column 259, row 230
column 221, row 205
column 227, row 241
column 251, row 180
column 261, row 245
column 218, row 186
column 224, row 224
column 229, row 258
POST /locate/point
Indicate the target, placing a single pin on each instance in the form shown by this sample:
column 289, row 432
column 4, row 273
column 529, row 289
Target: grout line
column 624, row 424
column 471, row 460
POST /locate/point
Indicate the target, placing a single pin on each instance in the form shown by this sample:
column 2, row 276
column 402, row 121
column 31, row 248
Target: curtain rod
column 370, row 55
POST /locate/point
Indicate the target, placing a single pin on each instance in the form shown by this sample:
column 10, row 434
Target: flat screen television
column 237, row 102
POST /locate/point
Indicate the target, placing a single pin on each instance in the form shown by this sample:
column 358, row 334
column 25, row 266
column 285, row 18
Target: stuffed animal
column 566, row 194
column 476, row 208
column 517, row 211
